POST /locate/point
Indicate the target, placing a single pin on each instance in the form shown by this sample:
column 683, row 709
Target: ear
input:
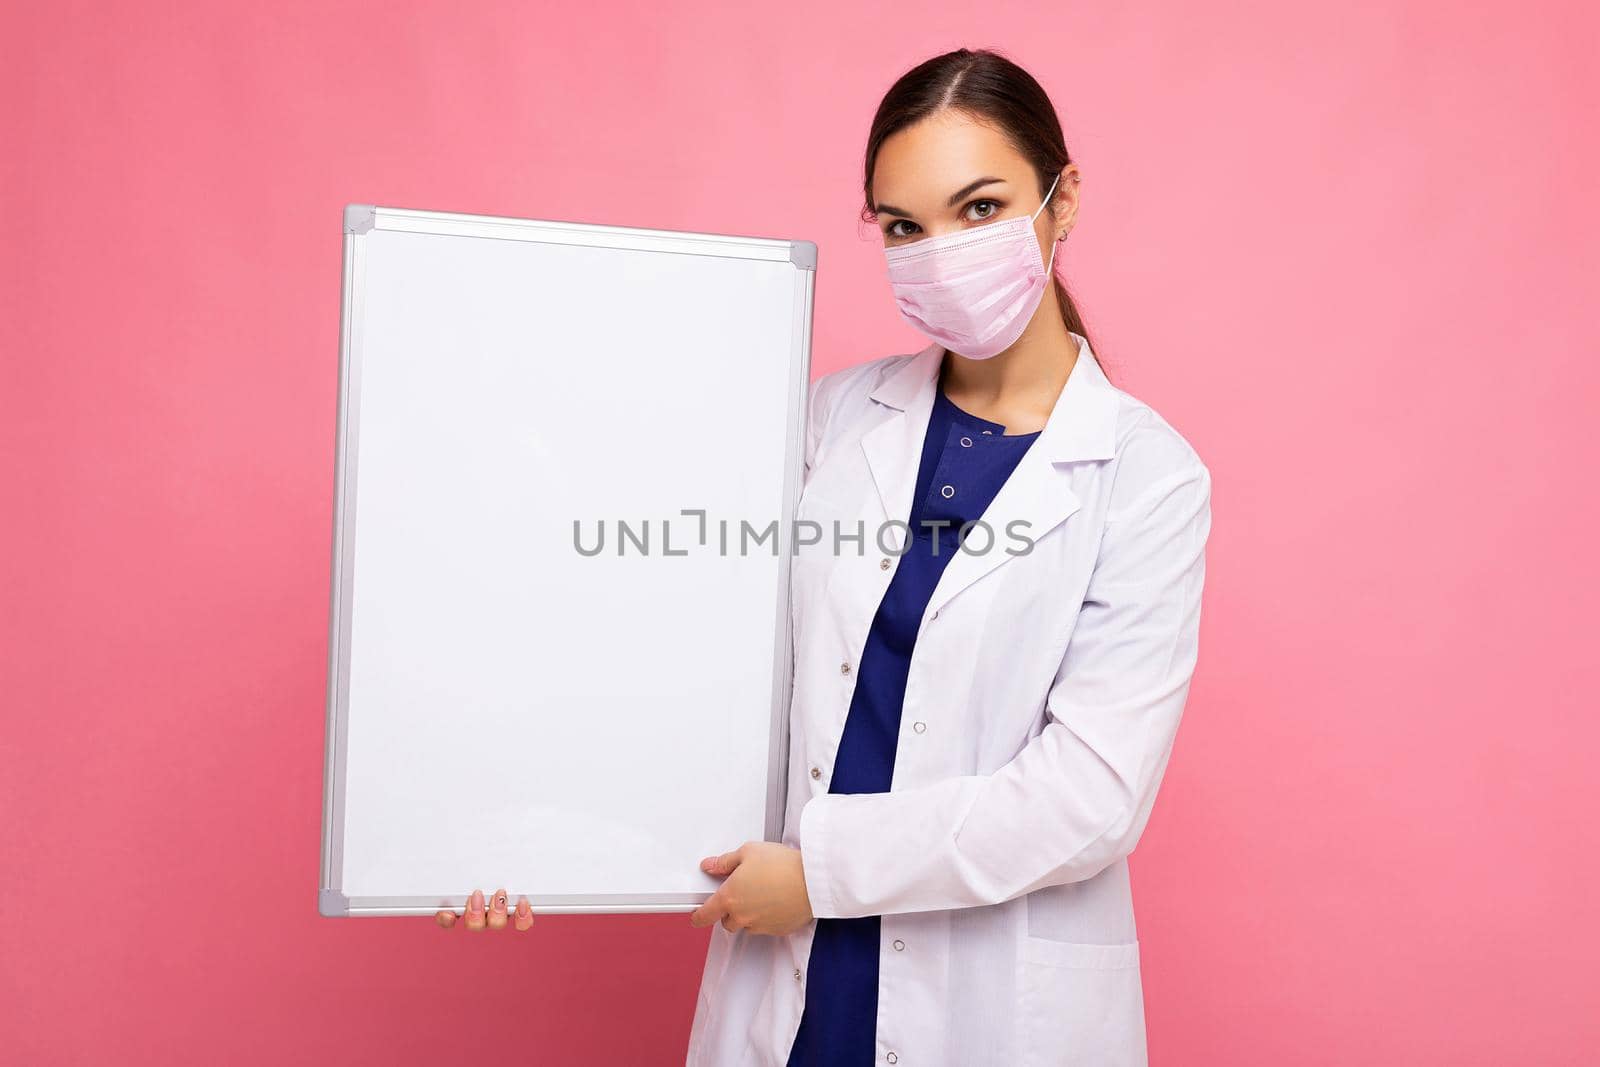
column 1064, row 205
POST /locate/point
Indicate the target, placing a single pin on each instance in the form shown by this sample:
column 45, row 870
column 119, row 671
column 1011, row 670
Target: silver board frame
column 359, row 220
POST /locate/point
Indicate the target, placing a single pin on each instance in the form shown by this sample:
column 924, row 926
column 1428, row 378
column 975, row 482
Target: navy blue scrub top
column 965, row 461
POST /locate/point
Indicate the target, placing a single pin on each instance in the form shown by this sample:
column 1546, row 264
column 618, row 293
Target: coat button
column 844, row 668
column 892, row 1058
column 815, row 773
column 883, row 564
column 899, row 945
column 797, row 974
column 919, row 726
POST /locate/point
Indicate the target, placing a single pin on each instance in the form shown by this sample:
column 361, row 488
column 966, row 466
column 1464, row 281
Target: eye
column 992, row 205
column 976, row 211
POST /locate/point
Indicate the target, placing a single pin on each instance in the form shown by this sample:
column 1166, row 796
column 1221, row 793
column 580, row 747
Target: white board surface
column 508, row 706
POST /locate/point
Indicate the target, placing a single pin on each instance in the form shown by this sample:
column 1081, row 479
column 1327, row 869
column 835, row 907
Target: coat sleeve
column 822, row 395
column 1077, row 796
column 815, row 392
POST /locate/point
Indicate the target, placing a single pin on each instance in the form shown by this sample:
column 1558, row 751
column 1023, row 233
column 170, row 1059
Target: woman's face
column 949, row 173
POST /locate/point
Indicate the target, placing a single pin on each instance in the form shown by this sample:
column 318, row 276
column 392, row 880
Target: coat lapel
column 894, row 446
column 1038, row 495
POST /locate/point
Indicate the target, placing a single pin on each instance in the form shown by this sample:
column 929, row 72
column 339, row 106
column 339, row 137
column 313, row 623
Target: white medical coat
column 1044, row 693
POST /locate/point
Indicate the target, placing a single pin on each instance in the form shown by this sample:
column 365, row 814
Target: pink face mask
column 975, row 290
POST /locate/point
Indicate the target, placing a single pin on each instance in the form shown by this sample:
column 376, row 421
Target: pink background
column 1345, row 250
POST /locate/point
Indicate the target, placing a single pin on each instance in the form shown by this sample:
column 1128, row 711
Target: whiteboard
column 567, row 459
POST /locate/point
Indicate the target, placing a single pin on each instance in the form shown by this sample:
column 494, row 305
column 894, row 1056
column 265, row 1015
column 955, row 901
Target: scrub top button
column 966, row 442
column 948, row 491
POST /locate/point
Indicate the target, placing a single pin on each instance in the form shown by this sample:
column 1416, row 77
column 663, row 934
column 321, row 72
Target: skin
column 916, row 172
column 493, row 917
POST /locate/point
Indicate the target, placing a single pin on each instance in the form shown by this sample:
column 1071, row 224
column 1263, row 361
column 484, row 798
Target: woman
column 994, row 637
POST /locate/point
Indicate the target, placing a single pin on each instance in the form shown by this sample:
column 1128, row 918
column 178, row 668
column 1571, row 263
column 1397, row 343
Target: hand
column 765, row 891
column 495, row 916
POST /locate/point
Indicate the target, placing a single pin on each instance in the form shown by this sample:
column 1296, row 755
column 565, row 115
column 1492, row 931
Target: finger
column 730, row 924
column 723, row 864
column 524, row 913
column 475, row 916
column 446, row 918
column 709, row 912
column 497, row 910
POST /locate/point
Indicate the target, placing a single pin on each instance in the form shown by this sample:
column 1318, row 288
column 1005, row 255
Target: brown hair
column 994, row 90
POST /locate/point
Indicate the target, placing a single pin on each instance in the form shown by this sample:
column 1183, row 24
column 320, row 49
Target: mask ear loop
column 1051, row 265
column 1047, row 196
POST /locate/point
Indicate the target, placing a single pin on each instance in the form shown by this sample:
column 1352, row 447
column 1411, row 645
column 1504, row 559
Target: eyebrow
column 955, row 198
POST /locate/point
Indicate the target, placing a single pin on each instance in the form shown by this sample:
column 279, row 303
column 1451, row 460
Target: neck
column 1024, row 380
